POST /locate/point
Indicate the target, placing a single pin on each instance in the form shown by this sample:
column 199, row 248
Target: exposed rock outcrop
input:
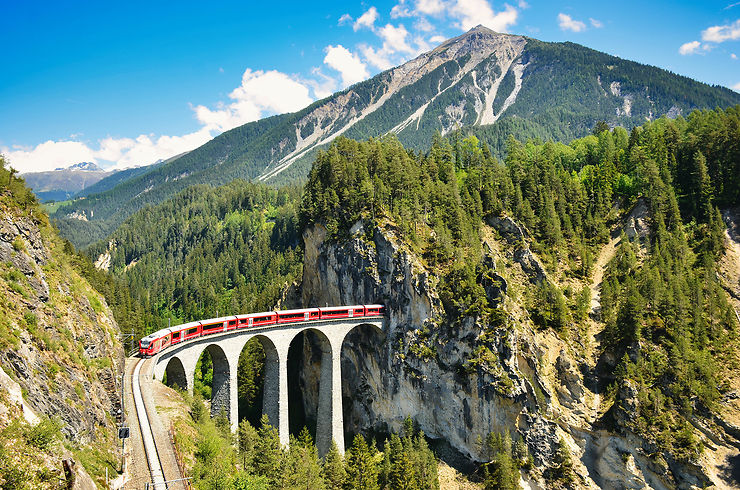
column 423, row 367
column 59, row 350
column 460, row 379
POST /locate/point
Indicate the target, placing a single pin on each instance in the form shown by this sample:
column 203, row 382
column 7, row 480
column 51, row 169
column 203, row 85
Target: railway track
column 147, row 436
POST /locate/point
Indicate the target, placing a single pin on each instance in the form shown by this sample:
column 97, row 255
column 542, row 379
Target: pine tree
column 269, row 453
column 362, row 471
column 302, row 467
column 402, row 475
column 247, row 439
column 333, row 468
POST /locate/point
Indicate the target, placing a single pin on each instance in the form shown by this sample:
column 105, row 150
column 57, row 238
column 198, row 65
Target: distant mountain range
column 483, row 82
column 63, row 183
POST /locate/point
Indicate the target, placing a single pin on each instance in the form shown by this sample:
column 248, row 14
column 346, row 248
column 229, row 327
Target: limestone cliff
column 461, row 379
column 60, row 355
column 422, row 367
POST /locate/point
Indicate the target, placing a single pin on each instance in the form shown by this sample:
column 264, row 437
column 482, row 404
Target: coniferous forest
column 669, row 334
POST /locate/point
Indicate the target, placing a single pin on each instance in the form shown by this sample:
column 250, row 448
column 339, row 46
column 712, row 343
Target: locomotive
column 160, row 340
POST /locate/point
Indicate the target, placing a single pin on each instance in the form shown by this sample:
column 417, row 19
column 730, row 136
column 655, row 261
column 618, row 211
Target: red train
column 157, row 341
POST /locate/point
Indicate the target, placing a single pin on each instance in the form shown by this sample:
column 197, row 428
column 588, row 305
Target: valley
column 540, row 240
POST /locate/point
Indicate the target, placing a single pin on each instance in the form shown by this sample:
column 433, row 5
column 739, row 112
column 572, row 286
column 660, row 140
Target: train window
column 232, row 322
column 192, row 331
column 175, row 335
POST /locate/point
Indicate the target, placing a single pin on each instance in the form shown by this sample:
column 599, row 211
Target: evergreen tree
column 333, row 468
column 269, row 453
column 362, row 470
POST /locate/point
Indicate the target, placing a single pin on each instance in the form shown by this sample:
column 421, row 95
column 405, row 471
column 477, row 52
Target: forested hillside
column 496, row 84
column 670, row 334
column 208, row 250
column 664, row 340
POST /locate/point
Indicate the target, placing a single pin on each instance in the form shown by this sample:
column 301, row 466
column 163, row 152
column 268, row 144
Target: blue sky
column 128, row 83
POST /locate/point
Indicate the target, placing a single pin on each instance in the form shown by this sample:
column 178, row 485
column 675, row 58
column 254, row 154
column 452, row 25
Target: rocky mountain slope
column 60, row 354
column 532, row 382
column 495, row 84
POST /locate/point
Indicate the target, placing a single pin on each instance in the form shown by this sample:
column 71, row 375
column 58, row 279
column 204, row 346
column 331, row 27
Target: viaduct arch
column 179, row 363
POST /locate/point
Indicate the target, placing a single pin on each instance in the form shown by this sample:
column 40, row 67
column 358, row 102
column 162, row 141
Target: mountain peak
column 86, row 166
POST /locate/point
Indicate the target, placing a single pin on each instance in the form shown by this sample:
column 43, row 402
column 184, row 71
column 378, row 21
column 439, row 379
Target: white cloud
column 377, row 58
column 394, row 38
column 437, row 39
column 117, row 153
column 567, row 23
column 430, row 7
column 322, row 84
column 345, row 19
column 49, row 155
column 400, row 10
column 147, row 149
column 689, row 48
column 261, row 93
column 522, row 4
column 470, row 13
column 423, row 25
column 733, row 56
column 596, row 23
column 366, row 20
column 422, row 45
column 718, row 34
column 346, row 63
column 736, row 87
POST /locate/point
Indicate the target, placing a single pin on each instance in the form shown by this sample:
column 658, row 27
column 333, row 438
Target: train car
column 374, row 310
column 215, row 325
column 302, row 315
column 186, row 331
column 155, row 342
column 257, row 319
column 330, row 313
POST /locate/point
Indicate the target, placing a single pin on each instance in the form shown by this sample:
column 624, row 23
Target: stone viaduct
column 179, row 363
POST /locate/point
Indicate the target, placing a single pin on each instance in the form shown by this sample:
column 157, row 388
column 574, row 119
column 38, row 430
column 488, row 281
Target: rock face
column 461, row 379
column 59, row 350
column 421, row 368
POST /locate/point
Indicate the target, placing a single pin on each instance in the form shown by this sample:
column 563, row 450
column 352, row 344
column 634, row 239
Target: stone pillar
column 325, row 408
column 283, row 419
column 221, row 392
column 330, row 423
column 234, row 400
column 275, row 393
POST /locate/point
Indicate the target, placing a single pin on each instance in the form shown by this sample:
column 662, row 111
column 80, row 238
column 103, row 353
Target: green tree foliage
column 302, row 464
column 333, row 470
column 562, row 472
column 362, row 469
column 269, row 453
column 502, row 472
column 205, row 252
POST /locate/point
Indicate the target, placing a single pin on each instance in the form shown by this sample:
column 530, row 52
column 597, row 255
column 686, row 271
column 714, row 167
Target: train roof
column 183, row 326
column 261, row 313
column 300, row 310
column 217, row 320
column 157, row 334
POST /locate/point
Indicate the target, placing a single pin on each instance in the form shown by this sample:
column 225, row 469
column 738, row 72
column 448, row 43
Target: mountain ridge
column 529, row 88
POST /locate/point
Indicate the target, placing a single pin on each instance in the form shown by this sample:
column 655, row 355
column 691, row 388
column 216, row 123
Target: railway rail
column 147, row 436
